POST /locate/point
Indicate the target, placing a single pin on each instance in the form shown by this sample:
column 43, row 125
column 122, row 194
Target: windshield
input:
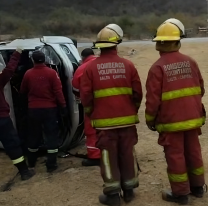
column 50, row 56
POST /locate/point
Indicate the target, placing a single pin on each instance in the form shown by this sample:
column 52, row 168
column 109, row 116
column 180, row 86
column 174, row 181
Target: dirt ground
column 75, row 185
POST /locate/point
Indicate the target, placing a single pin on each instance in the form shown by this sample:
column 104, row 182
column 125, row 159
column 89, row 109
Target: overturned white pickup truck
column 62, row 56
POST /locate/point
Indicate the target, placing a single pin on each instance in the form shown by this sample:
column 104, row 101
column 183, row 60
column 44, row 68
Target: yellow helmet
column 107, row 38
column 116, row 28
column 179, row 24
column 167, row 32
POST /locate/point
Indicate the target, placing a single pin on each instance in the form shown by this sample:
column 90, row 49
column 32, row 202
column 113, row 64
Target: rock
column 71, row 170
column 132, row 52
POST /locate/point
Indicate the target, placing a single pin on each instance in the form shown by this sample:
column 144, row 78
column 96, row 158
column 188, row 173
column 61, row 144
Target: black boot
column 32, row 159
column 128, row 195
column 27, row 174
column 111, row 200
column 170, row 197
column 23, row 170
column 51, row 162
column 91, row 162
column 197, row 191
column 52, row 168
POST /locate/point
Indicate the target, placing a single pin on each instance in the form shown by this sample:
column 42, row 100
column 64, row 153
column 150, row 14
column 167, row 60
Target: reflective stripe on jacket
column 111, row 91
column 174, row 91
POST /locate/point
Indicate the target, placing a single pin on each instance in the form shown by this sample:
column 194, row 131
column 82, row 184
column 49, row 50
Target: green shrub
column 68, row 21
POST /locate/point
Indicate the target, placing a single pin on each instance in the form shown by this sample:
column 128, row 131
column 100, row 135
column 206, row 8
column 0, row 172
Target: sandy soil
column 74, row 185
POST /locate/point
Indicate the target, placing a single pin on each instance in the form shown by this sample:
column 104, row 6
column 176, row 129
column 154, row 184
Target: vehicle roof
column 30, row 44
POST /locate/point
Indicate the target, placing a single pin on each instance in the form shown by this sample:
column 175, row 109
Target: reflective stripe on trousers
column 110, row 184
column 32, row 150
column 197, row 171
column 113, row 184
column 16, row 161
column 178, row 177
column 88, row 147
column 135, row 181
column 184, row 177
column 106, row 162
column 51, row 151
column 117, row 121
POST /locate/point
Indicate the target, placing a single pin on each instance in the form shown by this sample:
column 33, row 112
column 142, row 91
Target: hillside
column 138, row 17
column 106, row 7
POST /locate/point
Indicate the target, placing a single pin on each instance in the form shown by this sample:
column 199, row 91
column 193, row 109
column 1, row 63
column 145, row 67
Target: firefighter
column 111, row 94
column 8, row 135
column 93, row 152
column 43, row 87
column 174, row 108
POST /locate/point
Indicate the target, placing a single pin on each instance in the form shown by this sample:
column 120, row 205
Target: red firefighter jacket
column 78, row 74
column 111, row 91
column 174, row 91
column 5, row 76
column 43, row 87
column 76, row 87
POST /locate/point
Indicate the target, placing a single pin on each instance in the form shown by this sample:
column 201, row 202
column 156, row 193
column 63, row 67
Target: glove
column 151, row 126
column 19, row 50
column 63, row 111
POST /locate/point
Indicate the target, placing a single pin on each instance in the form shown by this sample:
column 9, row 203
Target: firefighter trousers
column 43, row 121
column 11, row 143
column 184, row 160
column 92, row 151
column 118, row 161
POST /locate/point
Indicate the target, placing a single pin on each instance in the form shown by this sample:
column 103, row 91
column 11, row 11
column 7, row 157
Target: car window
column 69, row 54
column 51, row 56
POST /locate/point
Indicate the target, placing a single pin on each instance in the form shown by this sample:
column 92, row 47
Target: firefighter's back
column 182, row 89
column 113, row 92
column 40, row 82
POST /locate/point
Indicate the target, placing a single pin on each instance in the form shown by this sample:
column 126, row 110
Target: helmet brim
column 104, row 45
column 166, row 38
